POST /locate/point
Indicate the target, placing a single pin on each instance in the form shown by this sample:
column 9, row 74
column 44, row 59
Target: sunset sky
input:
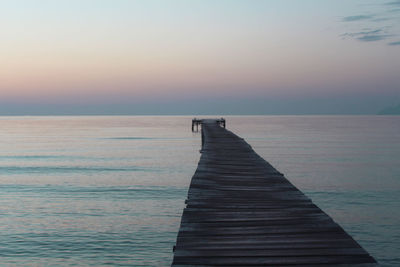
column 199, row 57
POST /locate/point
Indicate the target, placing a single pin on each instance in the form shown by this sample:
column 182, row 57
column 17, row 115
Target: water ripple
column 70, row 169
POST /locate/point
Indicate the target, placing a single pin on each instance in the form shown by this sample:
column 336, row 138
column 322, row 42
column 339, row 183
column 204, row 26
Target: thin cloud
column 393, row 3
column 368, row 36
column 377, row 20
column 357, row 18
column 369, row 32
column 373, row 38
column 380, row 19
column 356, row 34
column 396, row 10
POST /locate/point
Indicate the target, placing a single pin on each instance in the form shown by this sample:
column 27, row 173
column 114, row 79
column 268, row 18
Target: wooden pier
column 242, row 212
column 197, row 122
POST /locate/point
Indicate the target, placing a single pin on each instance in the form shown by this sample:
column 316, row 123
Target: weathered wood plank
column 270, row 252
column 275, row 261
column 241, row 211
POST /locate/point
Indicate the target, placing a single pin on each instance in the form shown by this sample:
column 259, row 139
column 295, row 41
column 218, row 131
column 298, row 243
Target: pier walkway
column 242, row 212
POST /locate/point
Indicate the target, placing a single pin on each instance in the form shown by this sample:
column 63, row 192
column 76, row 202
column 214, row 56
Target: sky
column 171, row 57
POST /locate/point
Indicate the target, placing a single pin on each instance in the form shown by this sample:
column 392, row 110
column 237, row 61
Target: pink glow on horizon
column 141, row 52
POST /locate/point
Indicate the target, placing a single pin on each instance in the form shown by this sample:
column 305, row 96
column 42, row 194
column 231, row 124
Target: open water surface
column 109, row 190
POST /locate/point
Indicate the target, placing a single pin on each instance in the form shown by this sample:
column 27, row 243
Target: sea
column 110, row 190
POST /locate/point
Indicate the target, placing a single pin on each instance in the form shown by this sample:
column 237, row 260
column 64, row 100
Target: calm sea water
column 109, row 191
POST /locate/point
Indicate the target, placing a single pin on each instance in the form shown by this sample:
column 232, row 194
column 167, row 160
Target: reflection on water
column 93, row 190
column 88, row 225
column 110, row 190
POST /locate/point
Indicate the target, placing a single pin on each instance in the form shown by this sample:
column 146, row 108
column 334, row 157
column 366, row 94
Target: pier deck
column 242, row 212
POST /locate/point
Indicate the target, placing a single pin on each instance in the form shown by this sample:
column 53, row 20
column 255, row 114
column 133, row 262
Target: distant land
column 393, row 110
